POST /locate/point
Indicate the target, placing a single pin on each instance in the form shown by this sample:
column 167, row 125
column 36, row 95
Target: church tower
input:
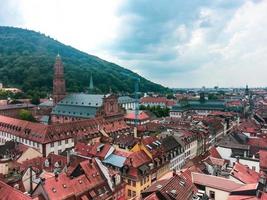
column 59, row 89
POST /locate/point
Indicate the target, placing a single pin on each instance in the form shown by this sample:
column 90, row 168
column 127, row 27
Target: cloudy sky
column 176, row 43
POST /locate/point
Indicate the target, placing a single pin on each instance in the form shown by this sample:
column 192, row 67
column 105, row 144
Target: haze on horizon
column 175, row 43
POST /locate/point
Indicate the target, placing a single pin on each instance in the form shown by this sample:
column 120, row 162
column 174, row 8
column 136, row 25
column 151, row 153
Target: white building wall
column 177, row 162
column 59, row 146
column 219, row 194
column 251, row 164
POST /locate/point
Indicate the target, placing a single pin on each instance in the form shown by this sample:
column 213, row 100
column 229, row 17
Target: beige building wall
column 219, row 194
column 30, row 153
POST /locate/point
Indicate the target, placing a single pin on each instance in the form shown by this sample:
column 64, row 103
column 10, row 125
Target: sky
column 172, row 42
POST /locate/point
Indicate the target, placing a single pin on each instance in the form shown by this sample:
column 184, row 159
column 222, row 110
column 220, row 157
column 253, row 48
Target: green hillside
column 27, row 58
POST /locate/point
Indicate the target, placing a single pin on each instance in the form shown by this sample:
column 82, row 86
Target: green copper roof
column 198, row 105
column 79, row 105
column 91, row 100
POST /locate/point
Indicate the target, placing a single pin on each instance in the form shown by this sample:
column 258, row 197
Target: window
column 212, row 194
column 59, row 151
column 134, row 183
column 52, row 144
column 129, row 193
column 59, row 143
column 66, row 141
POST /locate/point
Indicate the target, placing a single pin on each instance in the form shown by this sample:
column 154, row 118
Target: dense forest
column 27, row 58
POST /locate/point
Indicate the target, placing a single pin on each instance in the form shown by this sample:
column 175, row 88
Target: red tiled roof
column 248, row 197
column 215, row 182
column 153, row 100
column 38, row 163
column 9, row 193
column 178, row 187
column 215, row 161
column 64, row 187
column 137, row 159
column 263, row 159
column 258, row 142
column 244, row 174
column 214, row 153
column 152, row 196
column 141, row 116
column 93, row 150
column 42, row 133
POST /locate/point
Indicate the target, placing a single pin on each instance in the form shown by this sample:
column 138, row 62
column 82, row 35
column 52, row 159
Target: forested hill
column 27, row 58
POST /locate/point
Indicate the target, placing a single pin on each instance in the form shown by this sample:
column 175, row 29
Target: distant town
column 190, row 144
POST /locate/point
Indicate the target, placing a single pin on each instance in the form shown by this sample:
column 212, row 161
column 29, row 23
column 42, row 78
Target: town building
column 126, row 102
column 157, row 101
column 80, row 106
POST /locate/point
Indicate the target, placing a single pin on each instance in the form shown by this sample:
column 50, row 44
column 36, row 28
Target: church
column 81, row 106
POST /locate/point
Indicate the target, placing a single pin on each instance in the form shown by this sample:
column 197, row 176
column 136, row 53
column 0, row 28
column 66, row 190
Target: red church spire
column 59, row 90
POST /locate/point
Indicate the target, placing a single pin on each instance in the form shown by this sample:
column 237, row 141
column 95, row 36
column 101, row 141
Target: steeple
column 59, row 89
column 246, row 91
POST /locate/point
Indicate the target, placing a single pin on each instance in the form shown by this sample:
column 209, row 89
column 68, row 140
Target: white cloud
column 86, row 25
column 224, row 45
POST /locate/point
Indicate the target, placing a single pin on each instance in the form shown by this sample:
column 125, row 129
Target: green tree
column 26, row 115
column 35, row 100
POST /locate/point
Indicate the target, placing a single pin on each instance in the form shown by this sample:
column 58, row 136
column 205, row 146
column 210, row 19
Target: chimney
column 237, row 159
column 131, row 161
column 91, row 162
column 68, row 158
column 174, row 172
column 56, row 176
column 135, row 132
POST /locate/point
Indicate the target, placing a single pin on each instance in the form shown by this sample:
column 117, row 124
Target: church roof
column 75, row 111
column 79, row 105
column 81, row 99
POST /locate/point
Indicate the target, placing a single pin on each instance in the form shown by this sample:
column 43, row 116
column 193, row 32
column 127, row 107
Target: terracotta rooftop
column 178, row 187
column 215, row 182
column 141, row 116
column 9, row 193
column 42, row 133
column 97, row 149
column 244, row 174
column 214, row 153
column 263, row 159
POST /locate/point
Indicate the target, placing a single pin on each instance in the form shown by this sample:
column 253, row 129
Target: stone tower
column 59, row 89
